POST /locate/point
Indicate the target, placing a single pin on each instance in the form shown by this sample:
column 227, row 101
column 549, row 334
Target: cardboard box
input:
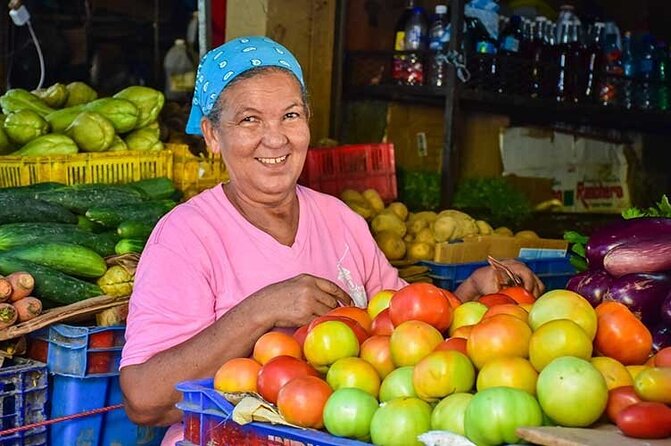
column 477, row 248
column 588, row 174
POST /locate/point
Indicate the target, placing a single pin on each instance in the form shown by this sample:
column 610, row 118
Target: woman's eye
column 292, row 115
column 248, row 119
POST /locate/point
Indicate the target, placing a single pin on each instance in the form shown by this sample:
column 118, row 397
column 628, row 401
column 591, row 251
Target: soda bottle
column 568, row 51
column 593, row 61
column 538, row 49
column 662, row 75
column 510, row 45
column 436, row 32
column 610, row 85
column 180, row 72
column 646, row 68
column 411, row 33
column 481, row 51
column 628, row 71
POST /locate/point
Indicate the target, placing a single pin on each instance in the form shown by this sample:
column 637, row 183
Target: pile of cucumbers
column 61, row 234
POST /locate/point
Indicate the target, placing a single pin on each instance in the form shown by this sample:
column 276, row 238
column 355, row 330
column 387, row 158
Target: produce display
column 417, row 359
column 66, row 119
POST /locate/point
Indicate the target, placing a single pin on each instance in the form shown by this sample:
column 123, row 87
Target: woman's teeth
column 273, row 160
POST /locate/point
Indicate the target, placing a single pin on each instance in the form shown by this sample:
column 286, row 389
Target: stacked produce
column 16, row 302
column 629, row 262
column 66, row 119
column 60, row 235
column 418, row 359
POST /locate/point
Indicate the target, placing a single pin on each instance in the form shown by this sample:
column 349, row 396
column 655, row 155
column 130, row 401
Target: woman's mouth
column 269, row 161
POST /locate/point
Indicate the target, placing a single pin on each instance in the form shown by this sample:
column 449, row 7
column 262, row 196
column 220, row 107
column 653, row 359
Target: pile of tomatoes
column 418, row 359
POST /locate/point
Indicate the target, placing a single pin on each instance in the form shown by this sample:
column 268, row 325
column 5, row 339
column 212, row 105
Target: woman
column 251, row 255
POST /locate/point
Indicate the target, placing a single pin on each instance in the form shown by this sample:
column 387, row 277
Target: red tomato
column 519, row 294
column 511, row 309
column 451, row 298
column 279, row 371
column 619, row 399
column 300, row 334
column 663, row 358
column 645, row 420
column 496, row 299
column 358, row 314
column 458, row 344
column 623, row 337
column 421, row 302
column 496, row 337
column 376, row 351
column 359, row 331
column 301, row 401
column 382, row 325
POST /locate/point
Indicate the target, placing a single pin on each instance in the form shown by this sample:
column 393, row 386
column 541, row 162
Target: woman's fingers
column 333, row 290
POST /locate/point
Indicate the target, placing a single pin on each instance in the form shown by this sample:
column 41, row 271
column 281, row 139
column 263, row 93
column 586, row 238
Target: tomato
column 329, row 341
column 274, row 344
column 511, row 309
column 397, row 384
column 348, row 413
column 654, row 384
column 663, row 358
column 635, row 370
column 572, row 392
column 468, row 313
column 458, row 344
column 615, row 374
column 621, row 336
column 560, row 337
column 463, row 332
column 354, row 372
column 443, row 373
column 619, row 399
column 411, row 341
column 376, row 351
column 519, row 294
column 237, row 375
column 301, row 401
column 645, row 420
column 609, row 306
column 358, row 314
column 379, row 302
column 496, row 337
column 451, row 298
column 448, row 415
column 493, row 299
column 400, row 421
column 421, row 302
column 563, row 304
column 359, row 331
column 382, row 324
column 493, row 415
column 279, row 371
column 300, row 334
column 517, row 373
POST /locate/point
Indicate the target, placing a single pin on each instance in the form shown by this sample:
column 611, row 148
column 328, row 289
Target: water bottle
column 662, row 75
column 646, row 69
column 180, row 72
column 436, row 31
column 411, row 35
column 629, row 71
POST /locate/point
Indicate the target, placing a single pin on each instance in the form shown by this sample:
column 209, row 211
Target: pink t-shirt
column 204, row 257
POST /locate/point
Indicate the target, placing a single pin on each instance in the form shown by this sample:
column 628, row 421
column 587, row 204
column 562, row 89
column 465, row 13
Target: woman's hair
column 215, row 113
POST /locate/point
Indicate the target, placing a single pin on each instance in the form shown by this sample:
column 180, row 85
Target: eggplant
column 666, row 310
column 592, row 284
column 641, row 256
column 624, row 231
column 642, row 293
column 661, row 337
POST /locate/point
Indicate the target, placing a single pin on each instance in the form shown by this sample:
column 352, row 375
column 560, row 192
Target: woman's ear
column 210, row 135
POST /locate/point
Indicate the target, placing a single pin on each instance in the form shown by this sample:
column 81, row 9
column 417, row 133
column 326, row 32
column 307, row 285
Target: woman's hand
column 296, row 301
column 485, row 280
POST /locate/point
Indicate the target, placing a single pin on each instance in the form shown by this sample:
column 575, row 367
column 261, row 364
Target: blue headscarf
column 221, row 65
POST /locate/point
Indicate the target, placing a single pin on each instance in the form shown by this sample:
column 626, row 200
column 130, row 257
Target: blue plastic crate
column 207, row 423
column 23, row 398
column 85, row 351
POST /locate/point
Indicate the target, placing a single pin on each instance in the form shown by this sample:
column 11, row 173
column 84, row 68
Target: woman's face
column 262, row 134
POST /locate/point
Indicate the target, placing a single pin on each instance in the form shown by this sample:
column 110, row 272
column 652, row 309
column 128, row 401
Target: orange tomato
column 382, row 325
column 411, row 341
column 499, row 336
column 358, row 314
column 451, row 298
column 237, row 375
column 623, row 337
column 615, row 374
column 421, row 302
column 274, row 344
column 512, row 372
column 519, row 294
column 301, row 401
column 376, row 351
column 511, row 309
column 496, row 299
column 609, row 306
column 458, row 344
column 463, row 332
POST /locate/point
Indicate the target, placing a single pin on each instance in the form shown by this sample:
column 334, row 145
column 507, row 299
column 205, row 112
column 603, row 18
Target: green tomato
column 348, row 413
column 399, row 422
column 397, row 384
column 493, row 415
column 448, row 415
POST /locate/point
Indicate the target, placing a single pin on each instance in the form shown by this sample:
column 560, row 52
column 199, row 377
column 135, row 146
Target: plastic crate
column 554, row 272
column 362, row 166
column 192, row 174
column 207, row 423
column 23, row 398
column 85, row 351
column 112, row 167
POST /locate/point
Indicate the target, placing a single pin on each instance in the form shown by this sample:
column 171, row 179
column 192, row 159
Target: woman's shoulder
column 328, row 203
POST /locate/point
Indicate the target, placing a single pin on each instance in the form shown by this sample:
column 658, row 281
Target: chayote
column 118, row 145
column 60, row 120
column 79, row 93
column 25, row 125
column 145, row 138
column 123, row 114
column 55, row 96
column 47, row 145
column 91, row 131
column 148, row 101
column 19, row 99
column 5, row 143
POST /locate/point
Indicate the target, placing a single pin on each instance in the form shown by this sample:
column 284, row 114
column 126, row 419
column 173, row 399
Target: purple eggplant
column 592, row 284
column 643, row 294
column 661, row 337
column 624, row 231
column 641, row 256
column 666, row 310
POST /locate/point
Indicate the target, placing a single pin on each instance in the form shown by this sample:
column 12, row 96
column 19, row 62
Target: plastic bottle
column 646, row 68
column 482, row 48
column 629, row 71
column 180, row 72
column 538, row 49
column 568, row 50
column 610, row 86
column 510, row 45
column 662, row 75
column 436, row 31
column 410, row 35
column 593, row 61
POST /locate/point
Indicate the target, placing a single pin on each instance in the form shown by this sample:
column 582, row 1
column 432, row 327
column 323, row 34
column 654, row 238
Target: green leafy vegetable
column 575, row 237
column 661, row 209
column 505, row 204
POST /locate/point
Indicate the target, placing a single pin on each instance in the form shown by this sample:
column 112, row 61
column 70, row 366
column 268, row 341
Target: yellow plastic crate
column 192, row 174
column 112, row 167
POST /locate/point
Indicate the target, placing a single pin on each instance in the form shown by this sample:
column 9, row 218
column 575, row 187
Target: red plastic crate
column 361, row 166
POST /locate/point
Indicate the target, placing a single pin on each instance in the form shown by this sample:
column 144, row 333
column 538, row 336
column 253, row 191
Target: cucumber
column 29, row 191
column 16, row 209
column 135, row 229
column 49, row 283
column 25, row 234
column 112, row 217
column 81, row 197
column 155, row 188
column 68, row 258
column 128, row 245
column 87, row 225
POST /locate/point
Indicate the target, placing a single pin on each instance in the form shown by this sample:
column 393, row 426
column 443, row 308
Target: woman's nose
column 274, row 135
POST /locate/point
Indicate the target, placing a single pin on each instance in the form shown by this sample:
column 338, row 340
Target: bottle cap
column 441, row 9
